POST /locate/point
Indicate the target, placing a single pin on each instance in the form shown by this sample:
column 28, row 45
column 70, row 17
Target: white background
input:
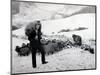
column 5, row 37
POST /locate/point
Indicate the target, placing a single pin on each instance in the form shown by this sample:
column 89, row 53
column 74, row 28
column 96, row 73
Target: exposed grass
column 14, row 28
column 76, row 29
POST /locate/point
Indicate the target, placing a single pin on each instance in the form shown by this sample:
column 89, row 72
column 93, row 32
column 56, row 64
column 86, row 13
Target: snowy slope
column 80, row 20
column 67, row 59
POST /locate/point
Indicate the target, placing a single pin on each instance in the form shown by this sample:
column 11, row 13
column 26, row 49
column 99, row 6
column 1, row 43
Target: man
column 33, row 31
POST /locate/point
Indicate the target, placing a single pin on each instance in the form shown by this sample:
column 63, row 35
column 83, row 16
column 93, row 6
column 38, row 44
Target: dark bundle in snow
column 87, row 48
column 31, row 27
column 24, row 50
column 77, row 40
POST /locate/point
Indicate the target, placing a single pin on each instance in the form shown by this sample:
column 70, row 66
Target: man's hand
column 36, row 38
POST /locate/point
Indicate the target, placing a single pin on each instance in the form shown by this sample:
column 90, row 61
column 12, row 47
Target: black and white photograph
column 52, row 37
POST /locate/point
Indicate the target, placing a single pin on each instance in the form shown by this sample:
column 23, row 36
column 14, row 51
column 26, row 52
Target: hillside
column 67, row 59
column 76, row 21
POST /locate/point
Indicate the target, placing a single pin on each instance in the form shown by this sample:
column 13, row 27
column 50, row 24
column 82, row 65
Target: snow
column 81, row 20
column 67, row 59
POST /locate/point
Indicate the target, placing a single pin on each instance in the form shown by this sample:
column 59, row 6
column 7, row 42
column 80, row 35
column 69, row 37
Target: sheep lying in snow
column 23, row 51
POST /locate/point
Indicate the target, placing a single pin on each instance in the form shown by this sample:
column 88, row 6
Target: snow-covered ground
column 67, row 59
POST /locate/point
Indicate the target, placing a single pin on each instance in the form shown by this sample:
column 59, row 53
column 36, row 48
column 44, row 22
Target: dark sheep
column 92, row 50
column 24, row 50
column 50, row 47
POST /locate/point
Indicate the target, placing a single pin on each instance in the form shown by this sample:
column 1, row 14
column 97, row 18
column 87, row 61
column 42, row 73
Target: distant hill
column 73, row 22
column 24, row 12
